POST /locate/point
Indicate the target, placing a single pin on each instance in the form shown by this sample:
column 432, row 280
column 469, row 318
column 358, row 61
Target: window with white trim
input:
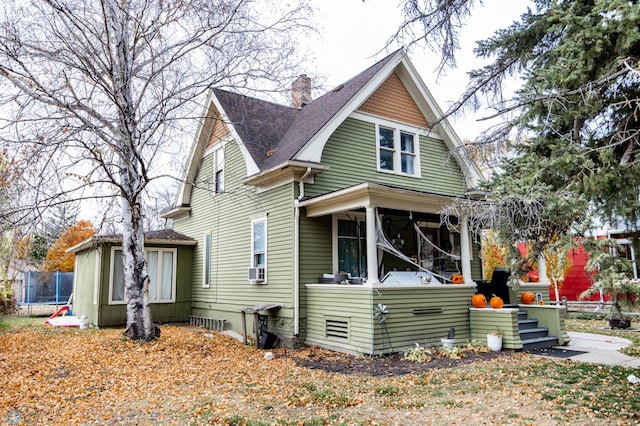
column 206, row 261
column 397, row 150
column 218, row 170
column 161, row 267
column 259, row 246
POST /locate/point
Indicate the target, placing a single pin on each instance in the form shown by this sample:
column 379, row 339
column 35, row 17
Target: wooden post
column 244, row 327
column 256, row 328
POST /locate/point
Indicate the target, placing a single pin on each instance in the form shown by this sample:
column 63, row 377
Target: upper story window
column 161, row 264
column 218, row 170
column 397, row 151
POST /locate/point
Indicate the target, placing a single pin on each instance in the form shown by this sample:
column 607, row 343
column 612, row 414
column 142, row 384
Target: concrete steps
column 532, row 335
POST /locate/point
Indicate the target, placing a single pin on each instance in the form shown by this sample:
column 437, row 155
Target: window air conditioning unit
column 256, row 275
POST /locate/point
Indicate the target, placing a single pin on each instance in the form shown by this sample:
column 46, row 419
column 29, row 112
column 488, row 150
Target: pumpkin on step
column 496, row 302
column 478, row 301
column 457, row 279
column 528, row 298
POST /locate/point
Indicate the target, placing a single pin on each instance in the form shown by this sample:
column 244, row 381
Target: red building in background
column 578, row 280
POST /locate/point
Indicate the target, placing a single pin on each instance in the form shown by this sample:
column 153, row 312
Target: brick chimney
column 301, row 91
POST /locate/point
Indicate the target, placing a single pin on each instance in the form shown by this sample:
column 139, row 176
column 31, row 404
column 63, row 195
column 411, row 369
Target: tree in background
column 577, row 113
column 494, row 255
column 57, row 220
column 97, row 96
column 32, row 248
column 57, row 257
column 558, row 263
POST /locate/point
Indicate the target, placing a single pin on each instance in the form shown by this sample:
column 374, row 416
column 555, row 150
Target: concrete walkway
column 601, row 349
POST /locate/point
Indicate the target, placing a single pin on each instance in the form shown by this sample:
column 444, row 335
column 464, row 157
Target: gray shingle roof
column 274, row 133
column 261, row 125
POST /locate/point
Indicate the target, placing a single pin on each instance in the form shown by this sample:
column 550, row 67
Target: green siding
column 85, row 277
column 422, row 315
column 551, row 317
column 415, row 315
column 351, row 155
column 484, row 320
column 102, row 314
column 315, row 252
column 227, row 217
column 350, row 305
column 476, row 262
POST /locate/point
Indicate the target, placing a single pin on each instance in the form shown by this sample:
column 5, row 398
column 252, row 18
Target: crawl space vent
column 337, row 329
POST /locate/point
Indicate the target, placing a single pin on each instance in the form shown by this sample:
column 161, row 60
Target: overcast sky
column 353, row 32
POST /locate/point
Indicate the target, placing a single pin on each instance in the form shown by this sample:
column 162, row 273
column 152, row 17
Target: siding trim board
column 371, row 194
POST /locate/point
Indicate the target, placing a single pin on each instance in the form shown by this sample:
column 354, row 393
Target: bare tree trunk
column 136, row 279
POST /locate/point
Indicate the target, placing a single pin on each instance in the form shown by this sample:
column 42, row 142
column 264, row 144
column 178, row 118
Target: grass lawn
column 188, row 376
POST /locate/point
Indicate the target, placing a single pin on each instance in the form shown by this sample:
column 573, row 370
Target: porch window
column 161, row 269
column 397, row 151
column 352, row 247
column 218, row 171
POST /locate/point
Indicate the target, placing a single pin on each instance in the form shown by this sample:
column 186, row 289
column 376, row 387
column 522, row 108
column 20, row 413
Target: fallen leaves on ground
column 191, row 376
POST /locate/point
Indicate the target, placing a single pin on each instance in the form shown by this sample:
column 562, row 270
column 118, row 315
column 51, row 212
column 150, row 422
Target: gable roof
column 316, row 114
column 273, row 137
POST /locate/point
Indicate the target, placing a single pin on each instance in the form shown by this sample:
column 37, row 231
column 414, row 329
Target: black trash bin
column 497, row 285
column 268, row 340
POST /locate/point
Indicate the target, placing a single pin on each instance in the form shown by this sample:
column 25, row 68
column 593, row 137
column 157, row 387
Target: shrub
column 8, row 303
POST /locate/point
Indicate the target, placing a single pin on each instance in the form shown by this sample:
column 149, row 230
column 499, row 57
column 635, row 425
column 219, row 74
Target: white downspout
column 296, row 255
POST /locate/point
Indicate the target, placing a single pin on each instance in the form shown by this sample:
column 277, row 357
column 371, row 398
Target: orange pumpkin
column 496, row 302
column 457, row 279
column 479, row 301
column 528, row 298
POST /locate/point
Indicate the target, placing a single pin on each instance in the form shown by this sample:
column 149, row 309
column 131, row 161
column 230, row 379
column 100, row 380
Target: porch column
column 542, row 269
column 465, row 251
column 372, row 249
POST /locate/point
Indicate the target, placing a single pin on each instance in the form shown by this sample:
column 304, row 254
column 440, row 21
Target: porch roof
column 370, row 194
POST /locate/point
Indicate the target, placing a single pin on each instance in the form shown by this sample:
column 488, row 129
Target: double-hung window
column 259, row 250
column 161, row 267
column 397, row 151
column 218, row 170
column 206, row 261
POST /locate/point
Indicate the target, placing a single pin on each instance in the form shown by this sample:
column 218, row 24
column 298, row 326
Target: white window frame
column 334, row 234
column 397, row 152
column 253, row 264
column 218, row 170
column 160, row 250
column 206, row 260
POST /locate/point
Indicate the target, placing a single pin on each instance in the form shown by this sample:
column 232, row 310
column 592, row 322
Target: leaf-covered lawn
column 71, row 376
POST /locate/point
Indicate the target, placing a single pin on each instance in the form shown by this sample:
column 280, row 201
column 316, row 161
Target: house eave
column 102, row 240
column 289, row 171
column 177, row 212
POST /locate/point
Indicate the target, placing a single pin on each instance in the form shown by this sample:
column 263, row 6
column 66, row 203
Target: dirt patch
column 387, row 365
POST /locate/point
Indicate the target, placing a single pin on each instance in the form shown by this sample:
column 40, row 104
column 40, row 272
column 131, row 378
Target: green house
column 98, row 288
column 323, row 217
